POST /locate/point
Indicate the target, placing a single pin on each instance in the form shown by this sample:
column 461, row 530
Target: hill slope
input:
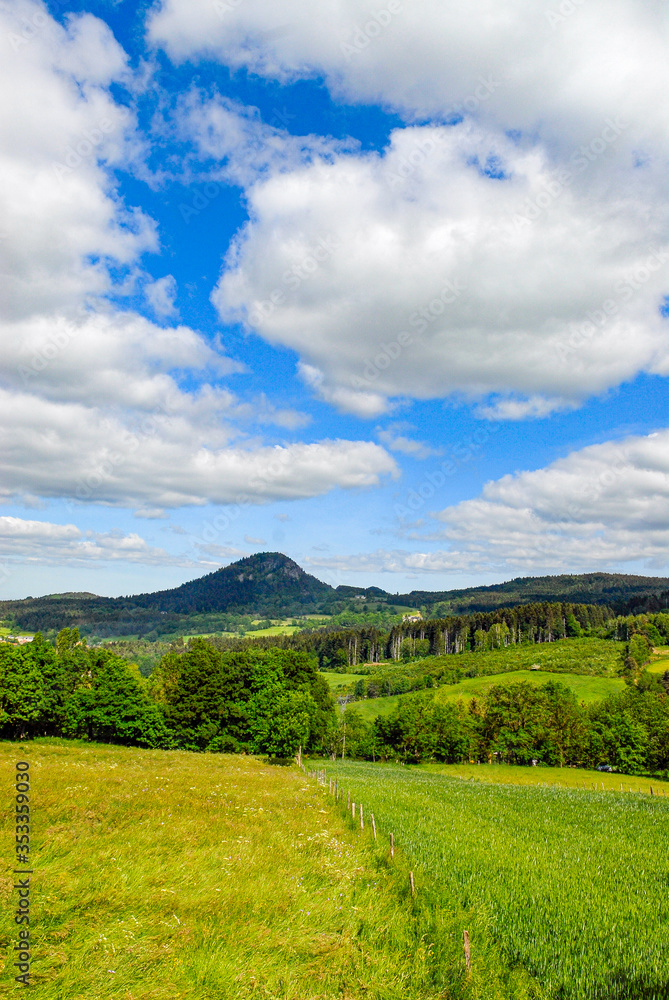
column 260, row 583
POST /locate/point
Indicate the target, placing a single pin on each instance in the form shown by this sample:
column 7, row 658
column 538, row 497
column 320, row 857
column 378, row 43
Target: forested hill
column 266, row 582
column 270, row 585
column 616, row 590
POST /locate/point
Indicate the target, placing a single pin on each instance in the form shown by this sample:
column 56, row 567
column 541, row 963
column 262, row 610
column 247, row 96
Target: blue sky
column 379, row 285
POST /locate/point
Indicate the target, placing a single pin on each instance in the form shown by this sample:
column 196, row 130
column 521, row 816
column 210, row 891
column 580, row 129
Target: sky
column 379, row 284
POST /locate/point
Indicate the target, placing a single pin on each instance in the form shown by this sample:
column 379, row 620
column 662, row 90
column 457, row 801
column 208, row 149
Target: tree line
column 341, row 649
column 521, row 724
column 198, row 698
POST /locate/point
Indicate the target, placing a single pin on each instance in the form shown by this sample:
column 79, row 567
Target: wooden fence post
column 353, row 809
column 468, row 954
column 362, row 822
column 411, row 882
column 348, row 801
column 392, row 845
column 373, row 826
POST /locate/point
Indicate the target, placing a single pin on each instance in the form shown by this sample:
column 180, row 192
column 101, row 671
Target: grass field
column 585, row 688
column 573, row 883
column 338, row 681
column 660, row 661
column 588, row 656
column 175, row 876
column 284, row 629
column 555, row 777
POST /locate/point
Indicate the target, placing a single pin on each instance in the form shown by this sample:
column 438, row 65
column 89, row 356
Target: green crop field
column 167, row 875
column 559, row 777
column 571, row 883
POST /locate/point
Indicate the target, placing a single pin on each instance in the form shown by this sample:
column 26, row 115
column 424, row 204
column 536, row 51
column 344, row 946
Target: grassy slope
column 596, row 661
column 585, row 688
column 168, row 875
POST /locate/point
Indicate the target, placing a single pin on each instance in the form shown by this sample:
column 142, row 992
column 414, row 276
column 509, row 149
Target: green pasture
column 571, row 883
column 586, row 688
column 337, row 681
column 593, row 656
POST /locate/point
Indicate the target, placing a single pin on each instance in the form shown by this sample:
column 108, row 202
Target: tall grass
column 168, row 875
column 573, row 883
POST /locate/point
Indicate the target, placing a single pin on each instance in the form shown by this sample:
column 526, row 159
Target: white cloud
column 520, row 63
column 96, row 402
column 59, row 129
column 254, row 541
column 241, row 145
column 605, row 507
column 41, row 542
column 68, row 450
column 161, row 296
column 542, row 288
column 395, row 438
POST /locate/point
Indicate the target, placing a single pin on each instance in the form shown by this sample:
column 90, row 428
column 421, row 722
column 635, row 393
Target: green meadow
column 168, row 875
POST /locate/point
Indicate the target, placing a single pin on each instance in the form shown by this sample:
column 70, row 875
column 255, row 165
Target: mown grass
column 167, row 875
column 574, row 883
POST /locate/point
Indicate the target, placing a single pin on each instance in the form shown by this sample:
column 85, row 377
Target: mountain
column 270, row 585
column 260, row 583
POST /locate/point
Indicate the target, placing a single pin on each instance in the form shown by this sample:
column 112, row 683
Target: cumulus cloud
column 395, row 438
column 61, row 130
column 438, row 58
column 41, row 542
column 475, row 267
column 605, row 507
column 53, row 450
column 96, row 402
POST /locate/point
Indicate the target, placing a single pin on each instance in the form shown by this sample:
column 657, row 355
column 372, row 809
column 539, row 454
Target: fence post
column 373, row 826
column 392, row 845
column 468, row 954
column 411, row 882
column 362, row 822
